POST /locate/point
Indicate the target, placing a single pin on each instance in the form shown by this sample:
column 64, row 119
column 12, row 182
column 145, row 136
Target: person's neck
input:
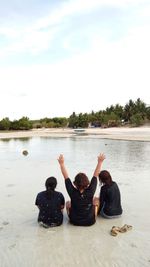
column 81, row 191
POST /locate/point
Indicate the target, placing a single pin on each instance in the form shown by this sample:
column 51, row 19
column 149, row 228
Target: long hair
column 105, row 177
column 50, row 185
column 81, row 181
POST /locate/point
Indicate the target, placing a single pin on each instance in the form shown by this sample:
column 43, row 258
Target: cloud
column 41, row 33
column 106, row 71
column 107, row 74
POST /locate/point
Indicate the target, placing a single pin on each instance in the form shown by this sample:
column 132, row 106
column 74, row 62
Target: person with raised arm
column 81, row 210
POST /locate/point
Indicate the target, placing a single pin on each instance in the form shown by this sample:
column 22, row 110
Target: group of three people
column 83, row 208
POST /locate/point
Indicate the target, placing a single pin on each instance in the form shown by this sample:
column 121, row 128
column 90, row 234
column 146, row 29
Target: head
column 51, row 183
column 81, row 181
column 105, row 177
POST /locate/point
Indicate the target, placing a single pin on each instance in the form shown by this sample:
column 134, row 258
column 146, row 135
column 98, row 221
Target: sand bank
column 118, row 133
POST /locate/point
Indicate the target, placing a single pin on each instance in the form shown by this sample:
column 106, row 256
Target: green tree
column 83, row 120
column 110, row 120
column 60, row 121
column 14, row 125
column 140, row 107
column 25, row 124
column 95, row 118
column 118, row 110
column 133, row 108
column 5, row 124
column 128, row 110
column 137, row 119
column 73, row 120
column 148, row 113
column 110, row 109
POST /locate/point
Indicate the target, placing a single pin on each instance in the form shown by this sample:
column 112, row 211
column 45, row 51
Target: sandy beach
column 23, row 243
column 118, row 133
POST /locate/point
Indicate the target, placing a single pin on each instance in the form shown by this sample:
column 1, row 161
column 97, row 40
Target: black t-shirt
column 82, row 210
column 50, row 208
column 110, row 199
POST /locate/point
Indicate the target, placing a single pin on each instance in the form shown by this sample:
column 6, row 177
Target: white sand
column 24, row 244
column 119, row 133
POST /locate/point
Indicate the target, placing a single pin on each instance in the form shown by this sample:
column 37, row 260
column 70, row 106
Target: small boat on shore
column 79, row 130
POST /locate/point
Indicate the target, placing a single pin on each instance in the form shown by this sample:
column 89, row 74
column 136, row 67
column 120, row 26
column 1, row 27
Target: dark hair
column 50, row 185
column 105, row 177
column 81, row 181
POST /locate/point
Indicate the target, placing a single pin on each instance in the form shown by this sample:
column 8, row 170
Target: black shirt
column 110, row 199
column 82, row 210
column 50, row 208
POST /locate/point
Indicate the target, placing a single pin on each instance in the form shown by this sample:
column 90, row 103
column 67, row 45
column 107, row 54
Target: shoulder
column 40, row 197
column 59, row 194
column 68, row 182
column 104, row 188
column 94, row 179
column 114, row 184
column 40, row 194
column 113, row 187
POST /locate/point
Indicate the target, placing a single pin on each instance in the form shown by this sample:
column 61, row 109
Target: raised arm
column 101, row 158
column 62, row 166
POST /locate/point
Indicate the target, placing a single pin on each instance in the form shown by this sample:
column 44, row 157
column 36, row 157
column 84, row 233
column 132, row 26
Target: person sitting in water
column 81, row 210
column 51, row 204
column 110, row 199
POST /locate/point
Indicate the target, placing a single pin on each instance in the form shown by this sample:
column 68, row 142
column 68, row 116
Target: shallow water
column 24, row 243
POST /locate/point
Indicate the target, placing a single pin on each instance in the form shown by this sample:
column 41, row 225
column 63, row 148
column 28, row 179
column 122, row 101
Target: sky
column 64, row 56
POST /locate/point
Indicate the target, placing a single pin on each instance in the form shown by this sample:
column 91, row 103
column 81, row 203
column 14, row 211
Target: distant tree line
column 22, row 124
column 134, row 113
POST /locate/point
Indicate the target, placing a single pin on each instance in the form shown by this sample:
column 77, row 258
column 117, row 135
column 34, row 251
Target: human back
column 110, row 197
column 50, row 204
column 81, row 209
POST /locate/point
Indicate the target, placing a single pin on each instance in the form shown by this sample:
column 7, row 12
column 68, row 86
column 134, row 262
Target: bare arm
column 101, row 158
column 62, row 166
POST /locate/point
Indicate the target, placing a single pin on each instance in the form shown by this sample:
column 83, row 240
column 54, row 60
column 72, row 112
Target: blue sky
column 60, row 56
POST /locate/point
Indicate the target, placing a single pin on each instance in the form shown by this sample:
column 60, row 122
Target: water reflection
column 22, row 139
column 22, row 177
column 80, row 153
column 5, row 140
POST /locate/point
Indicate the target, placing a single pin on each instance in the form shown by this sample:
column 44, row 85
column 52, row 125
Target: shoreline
column 116, row 133
column 23, row 241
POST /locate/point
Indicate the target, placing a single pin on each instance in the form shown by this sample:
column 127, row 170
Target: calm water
column 125, row 160
column 22, row 177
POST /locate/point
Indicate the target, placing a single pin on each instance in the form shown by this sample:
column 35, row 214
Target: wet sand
column 23, row 243
column 118, row 133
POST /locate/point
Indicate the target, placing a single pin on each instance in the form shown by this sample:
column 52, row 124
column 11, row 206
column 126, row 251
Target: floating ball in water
column 25, row 152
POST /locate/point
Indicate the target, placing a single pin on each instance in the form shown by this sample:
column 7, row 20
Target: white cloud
column 27, row 40
column 41, row 33
column 108, row 73
column 8, row 32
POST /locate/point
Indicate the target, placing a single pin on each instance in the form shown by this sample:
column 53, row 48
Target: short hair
column 81, row 181
column 105, row 177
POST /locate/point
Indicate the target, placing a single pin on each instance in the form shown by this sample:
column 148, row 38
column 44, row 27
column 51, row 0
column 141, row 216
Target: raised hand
column 101, row 157
column 61, row 159
column 62, row 166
